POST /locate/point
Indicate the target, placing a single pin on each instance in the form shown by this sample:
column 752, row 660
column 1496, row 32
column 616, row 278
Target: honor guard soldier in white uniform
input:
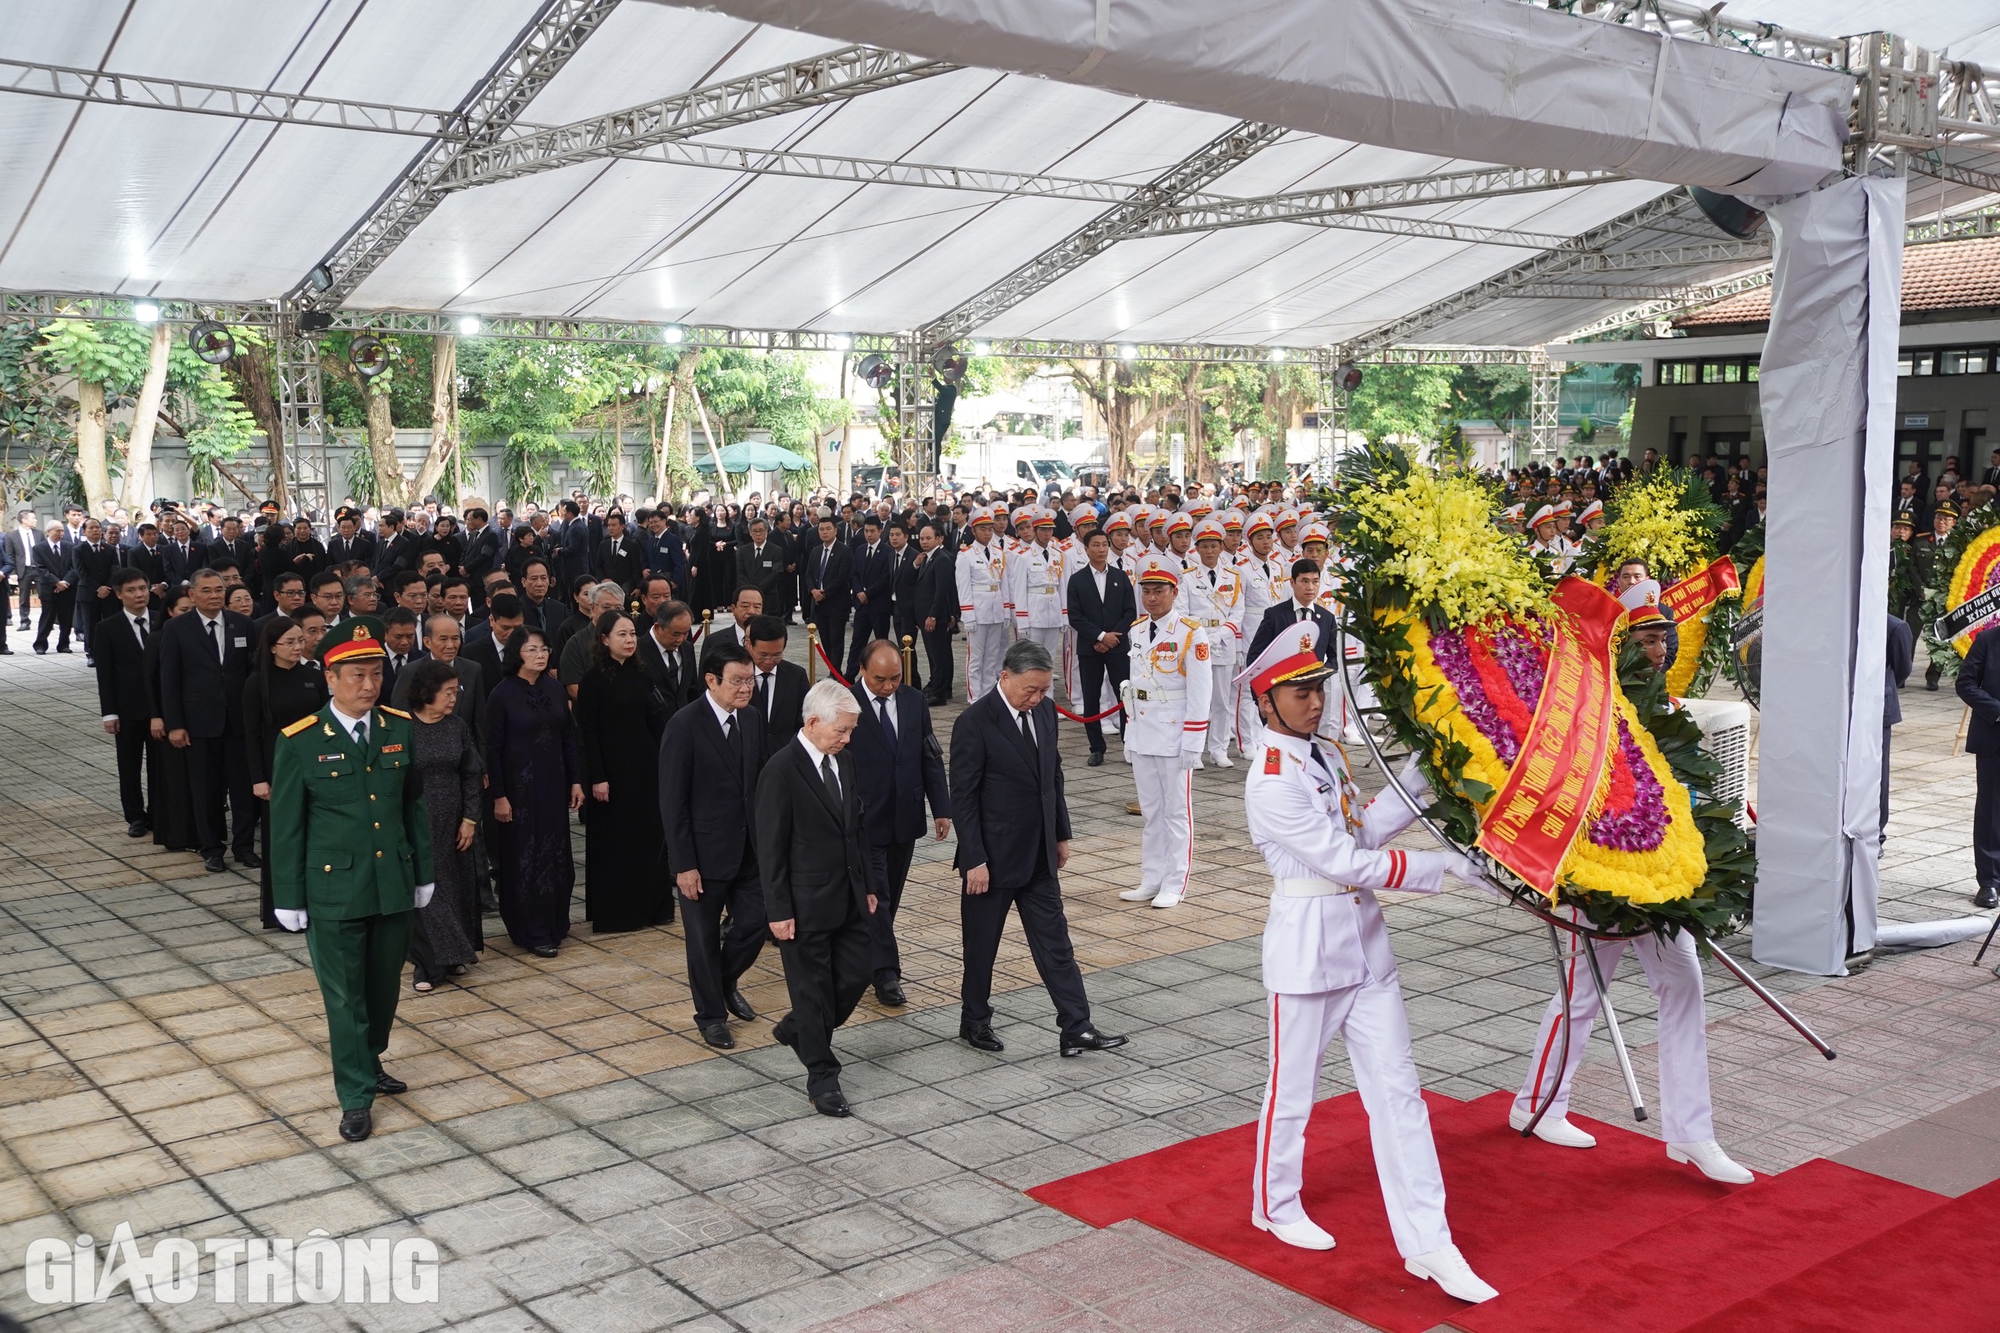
column 1082, row 522
column 1166, row 730
column 1035, row 575
column 1674, row 974
column 1212, row 596
column 1022, row 530
column 1287, row 521
column 1549, row 541
column 1156, row 528
column 1329, row 969
column 1124, row 551
column 1266, row 582
column 981, row 571
column 1232, row 536
column 1180, row 542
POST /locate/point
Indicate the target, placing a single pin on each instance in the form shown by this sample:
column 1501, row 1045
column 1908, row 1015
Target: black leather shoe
column 249, row 860
column 356, row 1125
column 717, row 1035
column 544, row 951
column 1987, row 896
column 389, row 1083
column 213, row 863
column 136, row 829
column 980, row 1037
column 739, row 1006
column 1090, row 1039
column 1096, row 759
column 785, row 1036
column 832, row 1103
column 892, row 995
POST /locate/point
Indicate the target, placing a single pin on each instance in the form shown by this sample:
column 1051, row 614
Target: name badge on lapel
column 242, row 642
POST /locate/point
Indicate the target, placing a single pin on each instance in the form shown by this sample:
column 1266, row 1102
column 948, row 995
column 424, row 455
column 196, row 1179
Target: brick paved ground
column 584, row 1162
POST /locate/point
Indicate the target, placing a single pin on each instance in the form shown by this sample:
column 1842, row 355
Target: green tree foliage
column 406, row 383
column 37, row 427
column 1408, row 402
column 529, row 396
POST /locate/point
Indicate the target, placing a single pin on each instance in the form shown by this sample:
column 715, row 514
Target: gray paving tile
column 740, row 1270
column 961, row 1203
column 854, row 1235
column 629, row 1302
column 624, row 1188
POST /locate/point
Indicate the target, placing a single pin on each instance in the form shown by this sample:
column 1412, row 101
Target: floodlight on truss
column 982, row 348
column 1128, row 353
column 468, row 326
column 673, row 334
column 319, row 277
column 369, row 356
column 146, row 312
column 875, row 371
column 840, row 342
column 212, row 342
column 1347, row 377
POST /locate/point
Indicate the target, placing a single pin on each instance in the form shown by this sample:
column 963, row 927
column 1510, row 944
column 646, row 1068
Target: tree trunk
column 251, row 372
column 392, row 487
column 91, row 462
column 1200, row 465
column 680, row 425
column 1274, row 453
column 146, row 422
column 444, row 415
column 662, row 433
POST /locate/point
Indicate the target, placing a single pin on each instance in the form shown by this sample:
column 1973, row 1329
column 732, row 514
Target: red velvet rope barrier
column 1095, row 718
column 831, row 669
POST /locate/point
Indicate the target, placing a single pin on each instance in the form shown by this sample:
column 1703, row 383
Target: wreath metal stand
column 1584, row 938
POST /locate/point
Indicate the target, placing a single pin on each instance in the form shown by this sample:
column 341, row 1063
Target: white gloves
column 1463, row 868
column 424, row 892
column 1190, row 760
column 290, row 920
column 1410, row 777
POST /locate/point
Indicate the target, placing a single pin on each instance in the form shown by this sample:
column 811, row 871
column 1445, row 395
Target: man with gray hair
column 574, row 663
column 1013, row 838
column 815, row 877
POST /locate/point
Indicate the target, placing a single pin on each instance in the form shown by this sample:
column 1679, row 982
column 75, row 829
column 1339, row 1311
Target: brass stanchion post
column 909, row 658
column 812, row 654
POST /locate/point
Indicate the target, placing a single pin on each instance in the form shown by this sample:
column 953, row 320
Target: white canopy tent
column 1335, row 178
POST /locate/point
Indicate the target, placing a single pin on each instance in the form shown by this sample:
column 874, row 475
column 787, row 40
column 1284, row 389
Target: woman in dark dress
column 283, row 688
column 701, row 557
column 525, row 547
column 305, row 554
column 536, row 781
column 619, row 556
column 444, row 538
column 272, row 559
column 171, row 792
column 619, row 718
column 447, row 938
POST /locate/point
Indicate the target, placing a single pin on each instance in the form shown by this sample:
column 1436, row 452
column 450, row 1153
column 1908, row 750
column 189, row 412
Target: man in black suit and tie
column 91, row 566
column 204, row 662
column 900, row 765
column 936, row 607
column 816, row 884
column 666, row 653
column 710, row 756
column 1013, row 838
column 1102, row 610
column 573, row 546
column 828, row 573
column 761, row 564
column 874, row 592
column 485, row 643
column 444, row 642
column 749, row 603
column 149, row 557
column 124, row 697
column 1303, row 604
column 482, row 548
column 54, row 554
column 1979, row 687
column 778, row 691
column 235, row 546
column 348, row 542
column 394, row 547
column 903, row 600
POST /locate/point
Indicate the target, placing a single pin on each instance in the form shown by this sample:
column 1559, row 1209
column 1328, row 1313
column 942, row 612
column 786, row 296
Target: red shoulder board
column 1274, row 759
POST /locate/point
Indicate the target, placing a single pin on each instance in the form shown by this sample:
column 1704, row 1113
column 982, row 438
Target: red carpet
column 1573, row 1240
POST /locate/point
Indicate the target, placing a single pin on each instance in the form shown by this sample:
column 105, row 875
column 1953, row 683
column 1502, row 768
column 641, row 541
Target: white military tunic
column 985, row 612
column 1166, row 729
column 1329, row 970
column 1213, row 597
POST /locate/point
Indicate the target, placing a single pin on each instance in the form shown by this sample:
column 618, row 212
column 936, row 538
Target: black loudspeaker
column 1730, row 215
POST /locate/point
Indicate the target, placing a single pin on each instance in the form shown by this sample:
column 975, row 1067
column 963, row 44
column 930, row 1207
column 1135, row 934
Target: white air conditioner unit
column 1725, row 735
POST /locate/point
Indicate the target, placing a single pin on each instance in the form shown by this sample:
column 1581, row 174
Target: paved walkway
column 584, row 1162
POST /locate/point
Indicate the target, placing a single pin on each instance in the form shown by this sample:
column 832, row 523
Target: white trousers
column 1221, row 696
column 1370, row 1020
column 1675, row 976
column 1051, row 638
column 1249, row 726
column 985, row 645
column 1166, row 800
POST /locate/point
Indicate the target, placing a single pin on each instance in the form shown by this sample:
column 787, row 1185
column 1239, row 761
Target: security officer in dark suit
column 900, row 765
column 124, row 697
column 903, row 588
column 91, row 567
column 1303, row 604
column 1013, row 838
column 351, row 863
column 205, row 659
column 1979, row 686
column 816, row 885
column 760, row 564
column 826, row 575
column 874, row 591
column 778, row 690
column 710, row 756
column 936, row 607
column 1102, row 611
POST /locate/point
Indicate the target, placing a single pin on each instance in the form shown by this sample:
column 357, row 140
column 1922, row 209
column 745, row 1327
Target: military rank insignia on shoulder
column 1274, row 759
column 392, row 712
column 301, row 724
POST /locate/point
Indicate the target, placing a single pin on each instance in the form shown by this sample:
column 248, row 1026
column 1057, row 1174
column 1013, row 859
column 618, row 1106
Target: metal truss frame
column 1690, row 298
column 832, row 77
column 302, row 408
column 1223, row 216
column 557, row 32
column 1544, row 404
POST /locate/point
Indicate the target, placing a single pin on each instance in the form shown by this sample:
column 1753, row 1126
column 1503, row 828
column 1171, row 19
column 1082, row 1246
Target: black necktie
column 1303, row 611
column 827, row 776
column 734, row 736
column 1028, row 735
column 215, row 633
column 764, row 695
column 361, row 733
column 139, row 628
column 882, row 708
column 399, row 661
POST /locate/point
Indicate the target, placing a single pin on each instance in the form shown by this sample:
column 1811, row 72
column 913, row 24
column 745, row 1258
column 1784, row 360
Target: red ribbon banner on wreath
column 1542, row 806
column 1693, row 595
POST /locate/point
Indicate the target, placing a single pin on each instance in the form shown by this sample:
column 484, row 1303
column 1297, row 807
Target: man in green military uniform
column 351, row 861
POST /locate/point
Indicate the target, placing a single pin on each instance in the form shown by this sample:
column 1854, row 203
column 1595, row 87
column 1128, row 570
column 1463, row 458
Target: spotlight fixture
column 1347, row 377
column 982, row 348
column 1277, row 354
column 840, row 342
column 368, row 355
column 468, row 326
column 1128, row 353
column 1731, row 215
column 320, row 278
column 673, row 334
column 949, row 365
column 875, row 371
column 146, row 312
column 211, row 342
column 315, row 321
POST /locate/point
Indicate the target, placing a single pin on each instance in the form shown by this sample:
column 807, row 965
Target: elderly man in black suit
column 897, row 755
column 710, row 756
column 778, row 690
column 761, row 564
column 444, row 642
column 816, row 884
column 1013, row 838
column 54, row 554
column 124, row 696
column 1303, row 604
column 92, row 564
column 1102, row 609
column 204, row 662
column 666, row 653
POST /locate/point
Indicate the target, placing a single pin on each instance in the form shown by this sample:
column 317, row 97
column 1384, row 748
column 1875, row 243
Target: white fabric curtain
column 1827, row 385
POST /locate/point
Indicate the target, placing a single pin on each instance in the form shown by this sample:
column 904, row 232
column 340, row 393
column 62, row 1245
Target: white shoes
column 1708, row 1157
column 1168, row 899
column 1137, row 895
column 1553, row 1129
column 1447, row 1268
column 1305, row 1234
column 1222, row 761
